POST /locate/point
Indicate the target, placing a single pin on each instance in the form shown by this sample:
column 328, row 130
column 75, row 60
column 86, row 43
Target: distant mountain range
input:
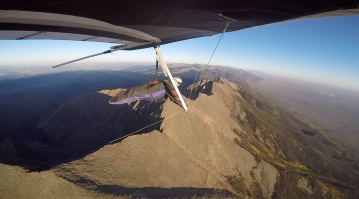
column 233, row 143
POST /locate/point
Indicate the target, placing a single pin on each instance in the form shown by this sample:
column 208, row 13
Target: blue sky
column 318, row 50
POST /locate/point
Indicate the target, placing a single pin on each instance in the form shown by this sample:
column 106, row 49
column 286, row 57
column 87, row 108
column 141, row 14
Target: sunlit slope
column 16, row 183
column 231, row 143
column 194, row 151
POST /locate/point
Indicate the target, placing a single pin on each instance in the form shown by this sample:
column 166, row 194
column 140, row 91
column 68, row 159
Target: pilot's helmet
column 178, row 81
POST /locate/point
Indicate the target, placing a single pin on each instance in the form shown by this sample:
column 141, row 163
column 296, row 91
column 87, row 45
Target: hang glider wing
column 144, row 23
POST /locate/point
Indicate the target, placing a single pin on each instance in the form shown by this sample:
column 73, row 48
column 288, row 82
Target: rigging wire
column 113, row 141
column 224, row 30
column 120, row 138
column 205, row 46
column 130, row 66
column 195, row 79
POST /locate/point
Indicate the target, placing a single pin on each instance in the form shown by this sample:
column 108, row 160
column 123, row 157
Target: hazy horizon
column 317, row 50
column 125, row 65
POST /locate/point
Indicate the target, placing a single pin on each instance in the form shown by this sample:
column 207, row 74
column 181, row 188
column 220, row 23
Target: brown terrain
column 233, row 143
column 333, row 110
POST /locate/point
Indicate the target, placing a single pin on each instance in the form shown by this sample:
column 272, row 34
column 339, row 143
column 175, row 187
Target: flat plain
column 333, row 110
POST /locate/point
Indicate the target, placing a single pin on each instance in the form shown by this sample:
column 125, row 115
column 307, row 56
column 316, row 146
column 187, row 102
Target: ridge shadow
column 147, row 192
column 77, row 129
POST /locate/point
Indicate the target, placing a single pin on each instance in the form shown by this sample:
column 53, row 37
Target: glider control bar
column 169, row 75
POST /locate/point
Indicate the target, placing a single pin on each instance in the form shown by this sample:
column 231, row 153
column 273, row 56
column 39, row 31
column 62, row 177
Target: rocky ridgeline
column 232, row 143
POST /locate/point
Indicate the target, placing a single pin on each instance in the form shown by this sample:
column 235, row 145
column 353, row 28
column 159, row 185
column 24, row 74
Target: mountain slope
column 194, row 150
column 232, row 143
column 16, row 183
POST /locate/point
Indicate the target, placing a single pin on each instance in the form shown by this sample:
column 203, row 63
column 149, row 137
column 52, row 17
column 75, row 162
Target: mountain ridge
column 183, row 145
column 232, row 143
column 231, row 116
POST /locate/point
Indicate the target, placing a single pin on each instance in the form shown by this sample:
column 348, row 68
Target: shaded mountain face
column 23, row 101
column 232, row 143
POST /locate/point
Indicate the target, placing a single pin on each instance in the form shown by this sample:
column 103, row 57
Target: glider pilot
column 155, row 91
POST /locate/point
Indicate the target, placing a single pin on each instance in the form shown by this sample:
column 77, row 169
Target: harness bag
column 153, row 91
